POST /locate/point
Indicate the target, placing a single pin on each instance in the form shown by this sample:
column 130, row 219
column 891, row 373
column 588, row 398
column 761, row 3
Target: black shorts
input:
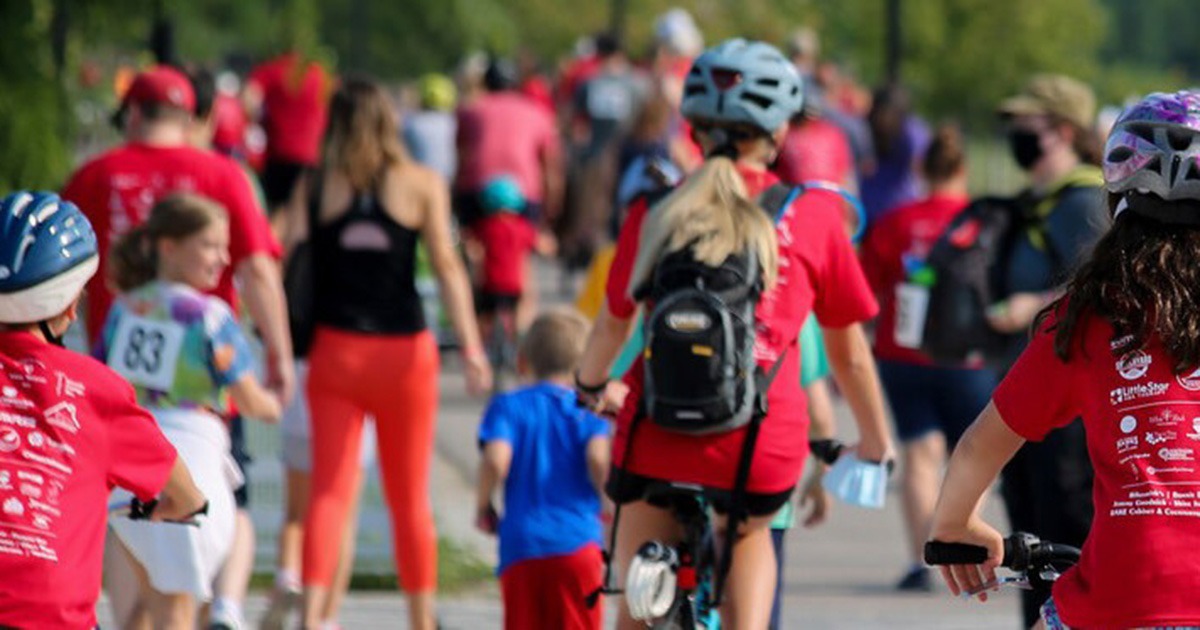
column 626, row 487
column 237, row 448
column 278, row 180
column 468, row 210
column 489, row 302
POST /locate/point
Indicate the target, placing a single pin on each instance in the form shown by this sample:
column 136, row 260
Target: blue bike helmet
column 48, row 252
column 740, row 82
column 502, row 194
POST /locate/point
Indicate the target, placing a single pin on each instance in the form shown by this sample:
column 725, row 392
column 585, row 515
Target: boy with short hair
column 552, row 458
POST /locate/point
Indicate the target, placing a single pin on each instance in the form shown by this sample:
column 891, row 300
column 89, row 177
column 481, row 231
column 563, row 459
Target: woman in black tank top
column 369, row 205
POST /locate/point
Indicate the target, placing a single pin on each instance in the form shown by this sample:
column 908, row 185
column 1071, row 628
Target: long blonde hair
column 362, row 140
column 713, row 213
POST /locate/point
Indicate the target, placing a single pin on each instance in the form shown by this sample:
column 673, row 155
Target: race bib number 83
column 146, row 352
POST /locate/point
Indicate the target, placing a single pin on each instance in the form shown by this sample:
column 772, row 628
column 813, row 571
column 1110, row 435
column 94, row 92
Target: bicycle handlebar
column 1022, row 552
column 138, row 510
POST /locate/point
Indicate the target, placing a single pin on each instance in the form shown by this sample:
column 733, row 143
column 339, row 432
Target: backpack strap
column 620, row 481
column 737, row 499
column 778, row 198
column 850, row 198
column 1085, row 176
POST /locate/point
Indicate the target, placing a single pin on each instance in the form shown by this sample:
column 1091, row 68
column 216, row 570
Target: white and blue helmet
column 48, row 252
column 740, row 82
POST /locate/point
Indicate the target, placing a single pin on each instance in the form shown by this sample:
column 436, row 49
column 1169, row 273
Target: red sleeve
column 843, row 296
column 249, row 232
column 619, row 302
column 1037, row 395
column 140, row 457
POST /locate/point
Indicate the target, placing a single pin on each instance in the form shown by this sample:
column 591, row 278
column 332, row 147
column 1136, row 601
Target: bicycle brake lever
column 1016, row 581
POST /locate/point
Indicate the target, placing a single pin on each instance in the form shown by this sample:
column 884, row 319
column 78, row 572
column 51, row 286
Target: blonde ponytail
column 711, row 211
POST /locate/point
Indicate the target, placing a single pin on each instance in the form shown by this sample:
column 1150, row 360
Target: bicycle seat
column 680, row 497
column 668, row 491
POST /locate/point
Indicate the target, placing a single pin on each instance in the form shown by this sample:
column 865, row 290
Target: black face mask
column 1026, row 147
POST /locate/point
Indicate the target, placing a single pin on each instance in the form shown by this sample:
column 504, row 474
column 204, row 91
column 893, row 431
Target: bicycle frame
column 692, row 606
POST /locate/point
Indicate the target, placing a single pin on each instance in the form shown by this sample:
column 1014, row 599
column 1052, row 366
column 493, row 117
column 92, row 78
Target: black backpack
column 700, row 372
column 965, row 275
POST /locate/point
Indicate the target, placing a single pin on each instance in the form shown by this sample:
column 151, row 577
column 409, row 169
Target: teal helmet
column 502, row 194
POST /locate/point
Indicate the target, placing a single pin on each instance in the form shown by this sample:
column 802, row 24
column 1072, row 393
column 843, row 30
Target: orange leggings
column 395, row 379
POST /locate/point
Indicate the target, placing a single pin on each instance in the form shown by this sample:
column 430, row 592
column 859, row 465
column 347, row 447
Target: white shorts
column 186, row 558
column 296, row 436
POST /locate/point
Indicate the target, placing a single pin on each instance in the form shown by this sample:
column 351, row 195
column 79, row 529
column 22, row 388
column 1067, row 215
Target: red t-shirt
column 815, row 150
column 70, row 430
column 117, row 190
column 507, row 240
column 295, row 108
column 505, row 133
column 818, row 272
column 908, row 231
column 1139, row 564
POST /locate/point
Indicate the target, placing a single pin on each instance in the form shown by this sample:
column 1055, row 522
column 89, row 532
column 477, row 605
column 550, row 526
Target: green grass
column 458, row 570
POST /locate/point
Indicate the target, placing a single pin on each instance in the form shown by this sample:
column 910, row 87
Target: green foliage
column 962, row 56
column 33, row 108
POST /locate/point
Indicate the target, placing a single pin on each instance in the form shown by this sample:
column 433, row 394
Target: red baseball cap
column 164, row 85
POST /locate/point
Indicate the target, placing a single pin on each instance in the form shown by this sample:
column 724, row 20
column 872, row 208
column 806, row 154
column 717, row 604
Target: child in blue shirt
column 552, row 458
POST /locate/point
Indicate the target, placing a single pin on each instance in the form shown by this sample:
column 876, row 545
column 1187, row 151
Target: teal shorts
column 814, row 363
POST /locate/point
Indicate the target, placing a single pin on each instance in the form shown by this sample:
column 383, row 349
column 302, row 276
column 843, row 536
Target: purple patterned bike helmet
column 1154, row 149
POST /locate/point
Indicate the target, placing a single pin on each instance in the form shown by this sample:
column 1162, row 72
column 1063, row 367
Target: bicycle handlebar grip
column 142, row 510
column 939, row 553
column 827, row 451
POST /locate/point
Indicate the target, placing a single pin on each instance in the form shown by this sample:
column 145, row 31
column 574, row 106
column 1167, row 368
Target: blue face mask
column 857, row 482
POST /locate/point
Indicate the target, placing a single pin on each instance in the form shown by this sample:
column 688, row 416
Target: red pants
column 551, row 593
column 395, row 379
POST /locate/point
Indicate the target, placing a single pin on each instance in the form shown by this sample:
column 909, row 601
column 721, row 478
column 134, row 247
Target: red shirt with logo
column 507, row 240
column 815, row 150
column 70, row 430
column 909, row 231
column 295, row 108
column 1139, row 564
column 818, row 272
column 505, row 133
column 117, row 190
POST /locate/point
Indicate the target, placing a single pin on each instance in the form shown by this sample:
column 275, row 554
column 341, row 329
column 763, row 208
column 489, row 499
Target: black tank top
column 365, row 266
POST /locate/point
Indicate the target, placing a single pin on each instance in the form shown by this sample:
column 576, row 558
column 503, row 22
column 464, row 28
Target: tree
column 33, row 106
column 961, row 57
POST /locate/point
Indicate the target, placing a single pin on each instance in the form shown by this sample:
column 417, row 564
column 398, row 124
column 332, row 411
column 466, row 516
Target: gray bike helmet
column 740, row 82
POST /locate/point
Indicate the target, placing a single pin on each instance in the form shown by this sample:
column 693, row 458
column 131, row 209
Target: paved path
column 837, row 577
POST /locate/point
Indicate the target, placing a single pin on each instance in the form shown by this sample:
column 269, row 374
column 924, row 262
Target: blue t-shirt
column 550, row 505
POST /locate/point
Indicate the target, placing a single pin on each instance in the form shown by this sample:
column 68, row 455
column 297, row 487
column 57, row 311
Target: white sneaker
column 220, row 618
column 282, row 605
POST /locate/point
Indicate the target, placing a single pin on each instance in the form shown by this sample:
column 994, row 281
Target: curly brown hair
column 1143, row 278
